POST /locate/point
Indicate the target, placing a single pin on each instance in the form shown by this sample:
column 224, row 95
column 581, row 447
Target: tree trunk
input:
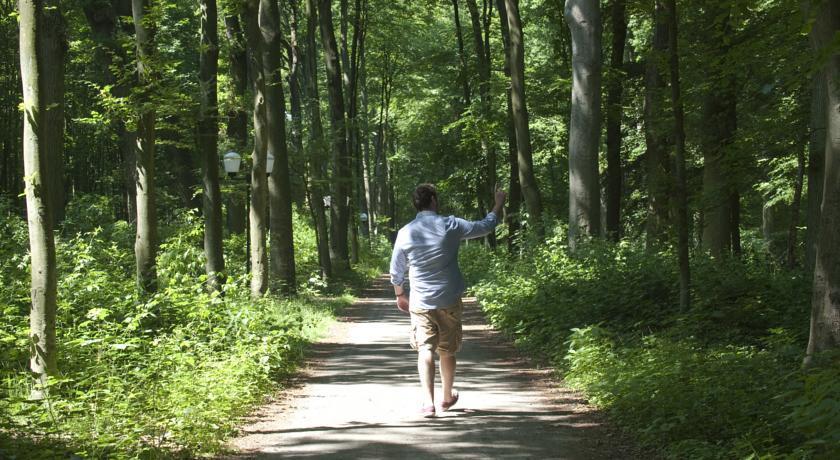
column 109, row 54
column 825, row 303
column 463, row 78
column 297, row 164
column 656, row 133
column 366, row 172
column 259, row 180
column 318, row 156
column 145, row 245
column 584, row 20
column 614, row 113
column 530, row 189
column 208, row 133
column 515, row 192
column 280, row 192
column 237, row 115
column 40, row 22
column 54, row 46
column 816, row 167
column 795, row 207
column 482, row 49
column 679, row 158
column 340, row 250
column 717, row 135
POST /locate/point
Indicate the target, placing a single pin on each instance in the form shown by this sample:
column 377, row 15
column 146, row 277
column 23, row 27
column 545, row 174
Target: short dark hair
column 422, row 196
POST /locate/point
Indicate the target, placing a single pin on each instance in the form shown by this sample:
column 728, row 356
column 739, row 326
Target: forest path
column 359, row 399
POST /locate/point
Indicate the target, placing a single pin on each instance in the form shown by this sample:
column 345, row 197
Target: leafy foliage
column 155, row 377
column 722, row 380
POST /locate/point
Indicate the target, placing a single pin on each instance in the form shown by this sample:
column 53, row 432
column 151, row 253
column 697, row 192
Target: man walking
column 428, row 247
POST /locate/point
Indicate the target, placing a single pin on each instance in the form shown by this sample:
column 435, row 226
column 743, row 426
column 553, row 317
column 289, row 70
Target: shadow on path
column 360, row 400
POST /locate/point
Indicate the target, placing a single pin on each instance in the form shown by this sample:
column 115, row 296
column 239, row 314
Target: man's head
column 425, row 197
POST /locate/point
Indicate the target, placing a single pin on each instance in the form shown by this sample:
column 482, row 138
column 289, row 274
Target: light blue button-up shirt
column 428, row 247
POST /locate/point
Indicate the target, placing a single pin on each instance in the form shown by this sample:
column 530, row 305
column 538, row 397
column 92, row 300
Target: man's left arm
column 399, row 265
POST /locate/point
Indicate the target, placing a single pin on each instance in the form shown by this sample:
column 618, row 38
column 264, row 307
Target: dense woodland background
column 670, row 244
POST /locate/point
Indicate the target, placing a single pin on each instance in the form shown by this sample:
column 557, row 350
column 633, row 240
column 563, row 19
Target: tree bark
column 259, row 179
column 317, row 156
column 795, row 209
column 482, row 50
column 208, row 133
column 297, row 166
column 717, row 136
column 825, row 303
column 656, row 133
column 614, row 113
column 279, row 189
column 462, row 60
column 237, row 115
column 584, row 20
column 341, row 183
column 145, row 245
column 54, row 45
column 514, row 191
column 530, row 189
column 679, row 157
column 816, row 167
column 40, row 22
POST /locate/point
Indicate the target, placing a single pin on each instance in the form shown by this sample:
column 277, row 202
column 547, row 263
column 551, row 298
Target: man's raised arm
column 484, row 226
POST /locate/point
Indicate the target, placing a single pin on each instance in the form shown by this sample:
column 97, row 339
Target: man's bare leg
column 447, row 375
column 426, row 369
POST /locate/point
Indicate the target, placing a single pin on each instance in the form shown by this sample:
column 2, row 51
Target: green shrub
column 162, row 376
column 721, row 380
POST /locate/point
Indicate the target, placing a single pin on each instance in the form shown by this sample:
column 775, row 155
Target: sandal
column 428, row 411
column 446, row 405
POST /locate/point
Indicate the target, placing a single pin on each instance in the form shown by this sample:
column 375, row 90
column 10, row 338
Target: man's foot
column 428, row 411
column 445, row 405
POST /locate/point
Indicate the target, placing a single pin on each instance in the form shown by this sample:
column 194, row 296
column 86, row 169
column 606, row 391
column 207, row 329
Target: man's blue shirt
column 428, row 248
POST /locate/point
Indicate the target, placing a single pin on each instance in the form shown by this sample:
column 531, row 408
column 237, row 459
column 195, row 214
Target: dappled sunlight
column 361, row 399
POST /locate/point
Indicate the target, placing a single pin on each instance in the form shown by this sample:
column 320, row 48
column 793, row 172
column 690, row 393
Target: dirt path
column 359, row 399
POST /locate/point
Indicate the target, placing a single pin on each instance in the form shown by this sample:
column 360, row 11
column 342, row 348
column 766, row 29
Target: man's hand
column 500, row 196
column 402, row 302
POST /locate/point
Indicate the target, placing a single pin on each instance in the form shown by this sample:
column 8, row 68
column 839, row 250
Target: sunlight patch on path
column 360, row 400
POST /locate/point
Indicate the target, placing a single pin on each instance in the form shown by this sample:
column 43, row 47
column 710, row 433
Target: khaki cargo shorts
column 437, row 330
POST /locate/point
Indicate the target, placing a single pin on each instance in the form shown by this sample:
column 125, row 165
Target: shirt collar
column 426, row 213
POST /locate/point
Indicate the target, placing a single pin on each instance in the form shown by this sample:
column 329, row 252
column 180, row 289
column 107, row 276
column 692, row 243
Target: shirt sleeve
column 399, row 265
column 477, row 228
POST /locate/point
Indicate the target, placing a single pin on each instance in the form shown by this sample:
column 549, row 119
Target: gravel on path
column 359, row 398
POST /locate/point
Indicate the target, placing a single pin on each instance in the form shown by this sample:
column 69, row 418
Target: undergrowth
column 165, row 376
column 722, row 380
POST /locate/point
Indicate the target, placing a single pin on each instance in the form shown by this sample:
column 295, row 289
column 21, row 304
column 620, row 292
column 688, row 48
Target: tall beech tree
column 584, row 20
column 41, row 37
column 109, row 55
column 527, row 180
column 717, row 135
column 488, row 149
column 237, row 115
column 342, row 165
column 515, row 190
column 657, row 131
column 317, row 145
column 679, row 157
column 208, row 135
column 259, row 180
column 145, row 244
column 825, row 303
column 279, row 188
column 615, row 89
column 816, row 164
